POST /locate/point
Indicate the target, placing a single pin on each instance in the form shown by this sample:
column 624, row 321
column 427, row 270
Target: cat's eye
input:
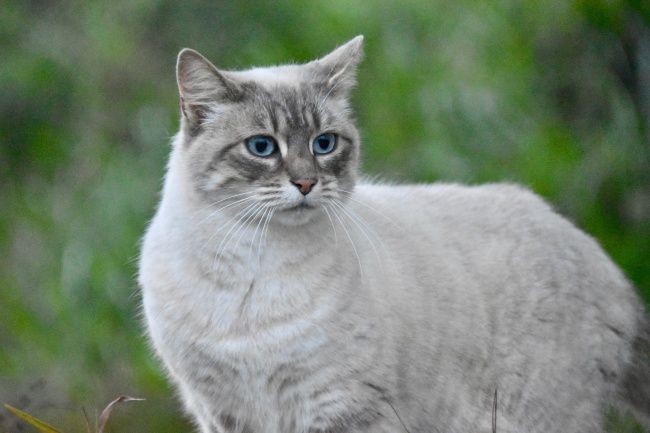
column 324, row 143
column 260, row 145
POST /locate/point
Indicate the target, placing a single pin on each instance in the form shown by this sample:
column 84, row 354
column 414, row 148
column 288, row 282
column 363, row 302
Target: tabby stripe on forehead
column 271, row 110
column 314, row 118
column 297, row 115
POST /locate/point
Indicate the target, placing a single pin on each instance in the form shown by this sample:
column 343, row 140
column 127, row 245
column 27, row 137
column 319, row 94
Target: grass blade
column 32, row 420
column 89, row 429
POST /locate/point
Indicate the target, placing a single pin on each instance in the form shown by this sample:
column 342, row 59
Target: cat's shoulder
column 508, row 195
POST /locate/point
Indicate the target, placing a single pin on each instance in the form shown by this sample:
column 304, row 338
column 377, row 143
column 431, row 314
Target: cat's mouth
column 300, row 207
column 297, row 213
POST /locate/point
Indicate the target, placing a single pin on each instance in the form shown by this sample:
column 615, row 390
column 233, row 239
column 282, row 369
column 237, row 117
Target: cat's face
column 279, row 138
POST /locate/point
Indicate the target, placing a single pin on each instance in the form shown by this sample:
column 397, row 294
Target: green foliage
column 551, row 94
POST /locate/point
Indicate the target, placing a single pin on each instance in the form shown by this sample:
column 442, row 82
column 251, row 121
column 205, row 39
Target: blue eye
column 260, row 145
column 324, row 143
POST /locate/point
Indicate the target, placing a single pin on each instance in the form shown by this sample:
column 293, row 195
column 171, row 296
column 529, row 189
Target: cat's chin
column 297, row 215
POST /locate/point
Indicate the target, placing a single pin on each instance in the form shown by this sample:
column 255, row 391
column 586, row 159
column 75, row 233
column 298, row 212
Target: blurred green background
column 554, row 94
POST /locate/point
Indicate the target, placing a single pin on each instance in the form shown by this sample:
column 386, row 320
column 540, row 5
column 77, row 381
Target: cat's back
column 455, row 214
column 506, row 244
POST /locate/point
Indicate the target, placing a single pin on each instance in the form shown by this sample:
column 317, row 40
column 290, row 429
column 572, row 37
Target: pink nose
column 304, row 185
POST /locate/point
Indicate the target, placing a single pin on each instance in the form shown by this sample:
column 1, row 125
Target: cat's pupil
column 261, row 146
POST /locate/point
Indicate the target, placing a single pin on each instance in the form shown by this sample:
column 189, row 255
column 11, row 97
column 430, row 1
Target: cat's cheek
column 214, row 181
column 342, row 162
column 342, row 173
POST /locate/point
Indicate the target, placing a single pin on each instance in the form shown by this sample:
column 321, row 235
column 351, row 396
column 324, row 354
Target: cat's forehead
column 284, row 96
column 274, row 76
column 283, row 106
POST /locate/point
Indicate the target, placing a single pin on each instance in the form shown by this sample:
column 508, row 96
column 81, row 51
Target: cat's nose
column 304, row 185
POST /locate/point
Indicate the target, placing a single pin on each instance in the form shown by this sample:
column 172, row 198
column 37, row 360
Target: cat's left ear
column 339, row 68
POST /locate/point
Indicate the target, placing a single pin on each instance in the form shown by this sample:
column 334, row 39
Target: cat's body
column 283, row 302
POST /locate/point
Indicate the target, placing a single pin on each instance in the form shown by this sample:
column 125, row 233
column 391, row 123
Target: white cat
column 283, row 297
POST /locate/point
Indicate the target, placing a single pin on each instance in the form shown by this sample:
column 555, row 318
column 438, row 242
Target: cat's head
column 282, row 136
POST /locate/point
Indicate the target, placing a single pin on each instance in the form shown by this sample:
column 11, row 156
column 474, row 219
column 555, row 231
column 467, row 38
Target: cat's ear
column 201, row 86
column 338, row 69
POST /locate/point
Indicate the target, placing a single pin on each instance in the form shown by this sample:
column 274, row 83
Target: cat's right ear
column 202, row 86
column 338, row 69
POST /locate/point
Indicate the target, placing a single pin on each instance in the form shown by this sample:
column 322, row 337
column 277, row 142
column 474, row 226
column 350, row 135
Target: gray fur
column 359, row 307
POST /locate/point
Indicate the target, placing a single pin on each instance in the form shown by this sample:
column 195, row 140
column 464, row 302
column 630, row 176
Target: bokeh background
column 554, row 94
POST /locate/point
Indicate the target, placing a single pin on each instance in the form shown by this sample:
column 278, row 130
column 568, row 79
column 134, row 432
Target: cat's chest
column 250, row 340
column 248, row 309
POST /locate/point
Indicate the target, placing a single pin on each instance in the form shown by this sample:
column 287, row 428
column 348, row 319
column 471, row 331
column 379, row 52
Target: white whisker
column 245, row 211
column 353, row 218
column 327, row 95
column 215, row 212
column 363, row 221
column 264, row 233
column 332, row 222
column 223, row 225
column 216, row 203
column 372, row 209
column 250, row 249
column 249, row 220
column 351, row 241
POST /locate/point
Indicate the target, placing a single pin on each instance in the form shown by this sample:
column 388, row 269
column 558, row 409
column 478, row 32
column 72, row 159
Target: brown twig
column 107, row 412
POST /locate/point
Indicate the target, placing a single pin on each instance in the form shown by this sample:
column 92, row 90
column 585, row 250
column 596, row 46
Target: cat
column 285, row 295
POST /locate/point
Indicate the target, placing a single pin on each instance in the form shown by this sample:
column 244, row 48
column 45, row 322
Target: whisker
column 332, row 222
column 327, row 95
column 372, row 209
column 249, row 220
column 354, row 220
column 335, row 84
column 217, row 202
column 351, row 241
column 250, row 249
column 363, row 221
column 223, row 225
column 245, row 211
column 264, row 233
column 213, row 213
